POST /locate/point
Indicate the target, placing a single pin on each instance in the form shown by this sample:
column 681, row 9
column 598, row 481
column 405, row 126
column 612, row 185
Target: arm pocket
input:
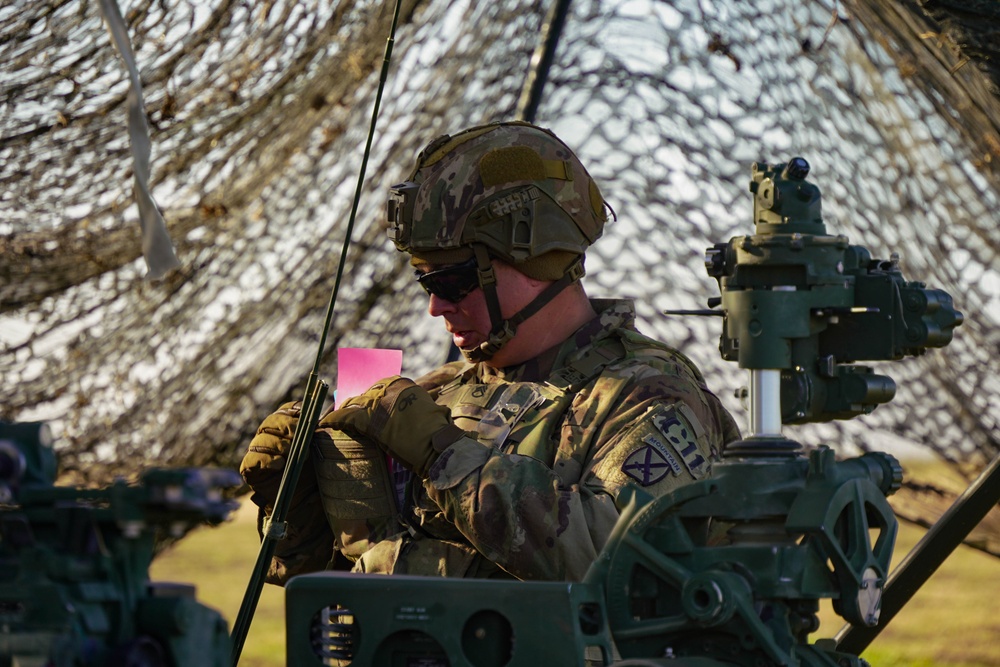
column 357, row 491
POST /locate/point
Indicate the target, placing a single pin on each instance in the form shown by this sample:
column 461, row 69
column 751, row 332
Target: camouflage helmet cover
column 513, row 187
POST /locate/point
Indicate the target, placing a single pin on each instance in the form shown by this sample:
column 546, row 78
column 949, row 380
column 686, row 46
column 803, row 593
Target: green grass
column 951, row 622
column 219, row 562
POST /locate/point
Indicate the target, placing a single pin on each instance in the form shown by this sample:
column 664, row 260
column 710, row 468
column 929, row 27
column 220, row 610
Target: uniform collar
column 612, row 315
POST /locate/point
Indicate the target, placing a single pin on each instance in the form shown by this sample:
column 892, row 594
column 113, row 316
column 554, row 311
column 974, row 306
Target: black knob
column 797, row 169
column 715, row 260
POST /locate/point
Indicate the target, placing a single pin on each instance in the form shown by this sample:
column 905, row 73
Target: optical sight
column 809, row 305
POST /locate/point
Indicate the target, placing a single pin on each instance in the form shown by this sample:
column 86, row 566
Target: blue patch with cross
column 650, row 464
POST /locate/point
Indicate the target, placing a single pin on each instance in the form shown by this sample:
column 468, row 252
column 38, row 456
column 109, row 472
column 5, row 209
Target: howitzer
column 725, row 571
column 74, row 563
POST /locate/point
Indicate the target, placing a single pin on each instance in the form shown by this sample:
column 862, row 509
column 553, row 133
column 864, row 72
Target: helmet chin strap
column 504, row 330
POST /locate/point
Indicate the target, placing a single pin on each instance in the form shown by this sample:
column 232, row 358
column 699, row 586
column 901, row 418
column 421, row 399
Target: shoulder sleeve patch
column 649, row 464
column 664, row 449
column 681, row 429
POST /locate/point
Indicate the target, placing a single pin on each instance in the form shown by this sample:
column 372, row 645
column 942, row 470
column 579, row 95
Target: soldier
column 519, row 452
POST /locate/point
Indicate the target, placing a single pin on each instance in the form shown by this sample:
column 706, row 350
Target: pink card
column 359, row 368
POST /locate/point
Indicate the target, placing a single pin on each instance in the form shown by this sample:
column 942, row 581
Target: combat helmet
column 510, row 191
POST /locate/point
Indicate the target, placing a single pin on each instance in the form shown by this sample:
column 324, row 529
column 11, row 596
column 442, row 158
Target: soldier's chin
column 470, row 352
column 466, row 340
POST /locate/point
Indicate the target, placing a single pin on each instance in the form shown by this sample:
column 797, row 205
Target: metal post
column 765, row 403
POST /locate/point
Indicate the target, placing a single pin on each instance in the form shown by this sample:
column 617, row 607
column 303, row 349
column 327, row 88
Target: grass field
column 950, row 622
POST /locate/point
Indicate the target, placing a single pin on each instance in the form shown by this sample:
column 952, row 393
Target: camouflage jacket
column 556, row 439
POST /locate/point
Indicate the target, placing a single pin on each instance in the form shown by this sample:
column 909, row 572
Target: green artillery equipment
column 800, row 301
column 726, row 571
column 74, row 564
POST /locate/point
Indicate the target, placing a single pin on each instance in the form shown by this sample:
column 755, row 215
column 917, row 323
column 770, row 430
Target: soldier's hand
column 264, row 462
column 401, row 418
column 308, row 544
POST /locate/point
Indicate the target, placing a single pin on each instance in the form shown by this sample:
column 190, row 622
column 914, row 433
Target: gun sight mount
column 807, row 305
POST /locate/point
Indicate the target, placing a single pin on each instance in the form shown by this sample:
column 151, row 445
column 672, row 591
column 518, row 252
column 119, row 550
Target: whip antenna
column 315, row 394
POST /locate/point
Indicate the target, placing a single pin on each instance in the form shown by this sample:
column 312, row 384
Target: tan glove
column 357, row 491
column 308, row 543
column 400, row 418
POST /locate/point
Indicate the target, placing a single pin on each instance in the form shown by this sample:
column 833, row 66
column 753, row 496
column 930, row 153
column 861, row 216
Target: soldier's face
column 468, row 320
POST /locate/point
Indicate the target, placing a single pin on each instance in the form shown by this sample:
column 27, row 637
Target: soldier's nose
column 437, row 306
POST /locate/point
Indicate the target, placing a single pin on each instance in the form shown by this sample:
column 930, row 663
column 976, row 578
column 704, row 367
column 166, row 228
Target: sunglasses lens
column 453, row 283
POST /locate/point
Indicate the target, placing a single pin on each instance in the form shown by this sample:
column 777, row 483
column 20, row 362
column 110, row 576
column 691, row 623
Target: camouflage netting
column 259, row 113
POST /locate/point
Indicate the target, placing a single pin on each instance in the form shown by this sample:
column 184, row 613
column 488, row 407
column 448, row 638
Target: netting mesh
column 259, row 112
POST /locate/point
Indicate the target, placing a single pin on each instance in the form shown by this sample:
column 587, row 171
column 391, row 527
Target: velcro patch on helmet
column 510, row 164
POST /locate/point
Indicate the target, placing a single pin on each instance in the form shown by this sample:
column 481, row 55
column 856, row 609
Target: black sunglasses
column 452, row 283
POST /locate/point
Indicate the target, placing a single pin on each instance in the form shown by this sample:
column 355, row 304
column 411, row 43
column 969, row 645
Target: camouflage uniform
column 533, row 496
column 528, row 490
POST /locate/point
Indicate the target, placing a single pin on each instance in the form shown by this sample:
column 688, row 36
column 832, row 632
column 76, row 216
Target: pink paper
column 359, row 368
